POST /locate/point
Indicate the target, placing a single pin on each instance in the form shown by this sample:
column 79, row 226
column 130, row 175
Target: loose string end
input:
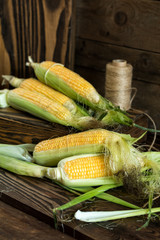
column 54, row 64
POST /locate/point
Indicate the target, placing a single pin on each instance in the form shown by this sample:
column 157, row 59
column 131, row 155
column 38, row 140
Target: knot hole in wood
column 120, row 18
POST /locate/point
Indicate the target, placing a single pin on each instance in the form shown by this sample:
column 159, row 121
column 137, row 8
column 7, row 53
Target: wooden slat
column 129, row 30
column 125, row 23
column 148, row 97
column 96, row 54
column 37, row 197
column 37, row 28
column 17, row 127
column 15, row 224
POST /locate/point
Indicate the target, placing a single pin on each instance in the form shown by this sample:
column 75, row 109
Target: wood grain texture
column 37, row 197
column 37, row 28
column 148, row 97
column 125, row 23
column 17, row 127
column 15, row 224
column 129, row 30
column 95, row 55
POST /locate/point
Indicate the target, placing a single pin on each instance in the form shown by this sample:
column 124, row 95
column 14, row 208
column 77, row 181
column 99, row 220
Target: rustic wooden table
column 26, row 212
column 15, row 224
column 26, row 203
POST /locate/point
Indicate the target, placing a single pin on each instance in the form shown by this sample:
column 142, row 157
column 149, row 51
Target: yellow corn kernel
column 34, row 85
column 45, row 103
column 91, row 137
column 74, row 80
column 87, row 167
column 83, row 170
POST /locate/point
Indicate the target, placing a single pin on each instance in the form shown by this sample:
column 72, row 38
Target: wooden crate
column 18, row 127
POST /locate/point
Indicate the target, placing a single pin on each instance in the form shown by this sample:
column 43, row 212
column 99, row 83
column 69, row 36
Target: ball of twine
column 118, row 84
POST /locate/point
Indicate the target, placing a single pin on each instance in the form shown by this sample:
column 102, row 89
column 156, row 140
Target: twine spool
column 118, row 84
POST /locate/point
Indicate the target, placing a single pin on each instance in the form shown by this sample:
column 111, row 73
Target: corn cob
column 67, row 82
column 96, row 174
column 43, row 107
column 35, row 85
column 118, row 146
column 83, row 170
column 49, row 152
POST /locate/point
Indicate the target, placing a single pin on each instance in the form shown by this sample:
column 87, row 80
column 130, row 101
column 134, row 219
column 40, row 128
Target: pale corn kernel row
column 75, row 81
column 34, row 85
column 97, row 136
column 54, row 108
column 87, row 167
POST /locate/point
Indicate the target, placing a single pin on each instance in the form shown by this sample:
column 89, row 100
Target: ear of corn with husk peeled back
column 41, row 106
column 83, row 170
column 34, row 85
column 76, row 171
column 118, row 146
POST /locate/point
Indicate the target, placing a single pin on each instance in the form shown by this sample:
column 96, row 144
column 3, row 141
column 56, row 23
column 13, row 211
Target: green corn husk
column 118, row 145
column 22, row 167
column 150, row 173
column 86, row 196
column 55, row 81
column 59, row 174
column 104, row 196
column 114, row 117
column 152, row 156
column 21, row 103
column 107, row 197
column 20, row 151
column 136, row 169
column 69, row 103
column 111, row 215
column 144, row 170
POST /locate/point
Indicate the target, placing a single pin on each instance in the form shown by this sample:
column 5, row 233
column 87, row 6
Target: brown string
column 118, row 83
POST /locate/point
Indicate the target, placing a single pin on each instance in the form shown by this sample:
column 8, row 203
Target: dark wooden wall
column 40, row 28
column 121, row 29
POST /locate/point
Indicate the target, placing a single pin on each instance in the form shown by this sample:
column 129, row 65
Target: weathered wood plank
column 148, row 98
column 37, row 28
column 37, row 197
column 15, row 224
column 96, row 54
column 112, row 29
column 125, row 23
column 18, row 127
